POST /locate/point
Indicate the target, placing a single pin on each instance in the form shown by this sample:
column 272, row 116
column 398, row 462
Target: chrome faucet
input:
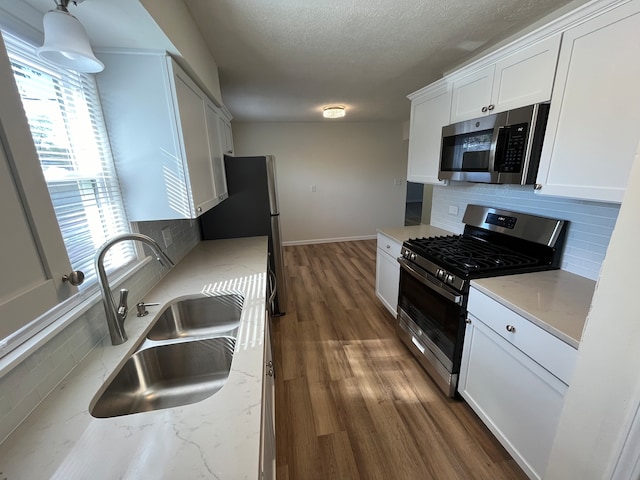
column 117, row 315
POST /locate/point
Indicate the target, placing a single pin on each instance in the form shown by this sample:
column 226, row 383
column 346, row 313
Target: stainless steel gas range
column 435, row 274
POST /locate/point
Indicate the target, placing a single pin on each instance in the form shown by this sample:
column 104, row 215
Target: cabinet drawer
column 547, row 350
column 389, row 246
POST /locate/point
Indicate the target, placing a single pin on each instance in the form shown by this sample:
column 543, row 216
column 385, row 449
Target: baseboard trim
column 328, row 240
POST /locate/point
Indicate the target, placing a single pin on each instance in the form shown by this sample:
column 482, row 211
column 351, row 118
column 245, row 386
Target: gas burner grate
column 469, row 255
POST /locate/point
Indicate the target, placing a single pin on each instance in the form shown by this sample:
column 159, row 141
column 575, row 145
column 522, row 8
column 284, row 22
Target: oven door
column 431, row 323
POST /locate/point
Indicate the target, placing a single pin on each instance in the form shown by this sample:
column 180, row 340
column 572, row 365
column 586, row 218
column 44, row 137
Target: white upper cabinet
column 429, row 113
column 227, row 134
column 521, row 78
column 164, row 148
column 593, row 129
column 215, row 129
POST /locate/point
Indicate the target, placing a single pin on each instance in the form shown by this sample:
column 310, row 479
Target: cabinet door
column 429, row 113
column 592, row 134
column 193, row 128
column 472, row 94
column 518, row 400
column 387, row 280
column 228, row 137
column 526, row 77
column 216, row 136
column 268, row 450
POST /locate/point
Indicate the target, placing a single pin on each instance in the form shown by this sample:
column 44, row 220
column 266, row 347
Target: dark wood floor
column 351, row 402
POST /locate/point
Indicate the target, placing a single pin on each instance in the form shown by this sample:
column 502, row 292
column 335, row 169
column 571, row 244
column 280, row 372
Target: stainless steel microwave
column 500, row 148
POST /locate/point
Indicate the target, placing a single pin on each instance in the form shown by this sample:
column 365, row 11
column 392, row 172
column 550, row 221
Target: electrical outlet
column 166, row 237
column 453, row 210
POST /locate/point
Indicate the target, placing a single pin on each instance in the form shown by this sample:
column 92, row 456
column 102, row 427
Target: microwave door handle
column 420, row 275
column 497, row 134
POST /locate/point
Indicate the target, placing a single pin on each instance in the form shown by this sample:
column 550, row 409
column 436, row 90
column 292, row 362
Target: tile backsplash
column 590, row 223
column 24, row 387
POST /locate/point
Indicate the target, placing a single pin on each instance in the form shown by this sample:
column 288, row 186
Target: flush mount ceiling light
column 333, row 111
column 66, row 42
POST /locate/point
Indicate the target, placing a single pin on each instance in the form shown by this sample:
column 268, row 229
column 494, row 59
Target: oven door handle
column 422, row 277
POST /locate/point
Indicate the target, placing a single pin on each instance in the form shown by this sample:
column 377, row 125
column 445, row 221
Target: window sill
column 92, row 297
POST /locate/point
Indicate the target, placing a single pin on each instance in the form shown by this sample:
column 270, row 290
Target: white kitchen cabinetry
column 592, row 133
column 268, row 433
column 226, row 131
column 388, row 272
column 515, row 376
column 522, row 78
column 430, row 110
column 157, row 122
column 216, row 134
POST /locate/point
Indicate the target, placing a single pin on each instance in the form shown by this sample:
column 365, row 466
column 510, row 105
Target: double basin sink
column 184, row 358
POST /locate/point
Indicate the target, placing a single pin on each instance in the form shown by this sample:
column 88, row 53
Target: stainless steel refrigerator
column 251, row 210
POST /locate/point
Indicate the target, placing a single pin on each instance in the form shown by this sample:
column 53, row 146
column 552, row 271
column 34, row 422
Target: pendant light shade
column 66, row 42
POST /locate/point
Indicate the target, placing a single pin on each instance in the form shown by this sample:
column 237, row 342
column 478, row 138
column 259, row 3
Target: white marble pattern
column 218, row 437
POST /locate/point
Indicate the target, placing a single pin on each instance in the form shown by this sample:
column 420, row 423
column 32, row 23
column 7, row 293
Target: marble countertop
column 400, row 234
column 556, row 300
column 218, row 437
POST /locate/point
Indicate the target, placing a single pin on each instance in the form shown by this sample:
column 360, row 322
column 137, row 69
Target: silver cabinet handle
column 537, row 186
column 75, row 278
column 468, row 321
column 491, row 107
column 511, row 328
column 484, row 109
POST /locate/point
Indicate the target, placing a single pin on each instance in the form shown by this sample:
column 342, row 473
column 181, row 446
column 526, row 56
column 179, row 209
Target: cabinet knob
column 199, row 209
column 484, row 109
column 511, row 328
column 75, row 278
column 468, row 321
column 388, row 246
column 491, row 107
column 537, row 186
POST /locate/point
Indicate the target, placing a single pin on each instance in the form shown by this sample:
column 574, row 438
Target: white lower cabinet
column 268, row 431
column 388, row 272
column 502, row 379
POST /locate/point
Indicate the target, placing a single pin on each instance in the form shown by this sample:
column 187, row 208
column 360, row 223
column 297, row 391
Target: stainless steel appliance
column 500, row 148
column 251, row 210
column 435, row 274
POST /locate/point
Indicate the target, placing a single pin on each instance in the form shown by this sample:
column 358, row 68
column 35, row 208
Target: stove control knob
column 450, row 279
column 440, row 274
column 413, row 256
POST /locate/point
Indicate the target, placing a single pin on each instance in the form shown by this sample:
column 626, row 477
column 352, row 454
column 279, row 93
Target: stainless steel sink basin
column 200, row 316
column 166, row 376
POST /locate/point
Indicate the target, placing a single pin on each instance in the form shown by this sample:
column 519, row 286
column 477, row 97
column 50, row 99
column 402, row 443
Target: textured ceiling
column 282, row 60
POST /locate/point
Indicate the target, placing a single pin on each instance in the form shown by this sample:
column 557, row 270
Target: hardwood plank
column 351, row 401
column 338, row 455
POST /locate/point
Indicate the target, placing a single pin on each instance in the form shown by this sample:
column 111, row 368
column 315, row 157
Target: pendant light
column 66, row 42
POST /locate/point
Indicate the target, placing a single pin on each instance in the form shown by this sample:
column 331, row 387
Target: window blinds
column 65, row 117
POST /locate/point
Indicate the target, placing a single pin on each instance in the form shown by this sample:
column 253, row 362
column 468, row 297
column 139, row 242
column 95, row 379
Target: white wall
column 173, row 17
column 352, row 165
column 605, row 389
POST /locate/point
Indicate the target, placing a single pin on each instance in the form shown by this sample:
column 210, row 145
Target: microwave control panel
column 514, row 145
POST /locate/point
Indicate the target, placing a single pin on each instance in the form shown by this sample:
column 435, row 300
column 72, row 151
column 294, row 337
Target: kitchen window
column 65, row 117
